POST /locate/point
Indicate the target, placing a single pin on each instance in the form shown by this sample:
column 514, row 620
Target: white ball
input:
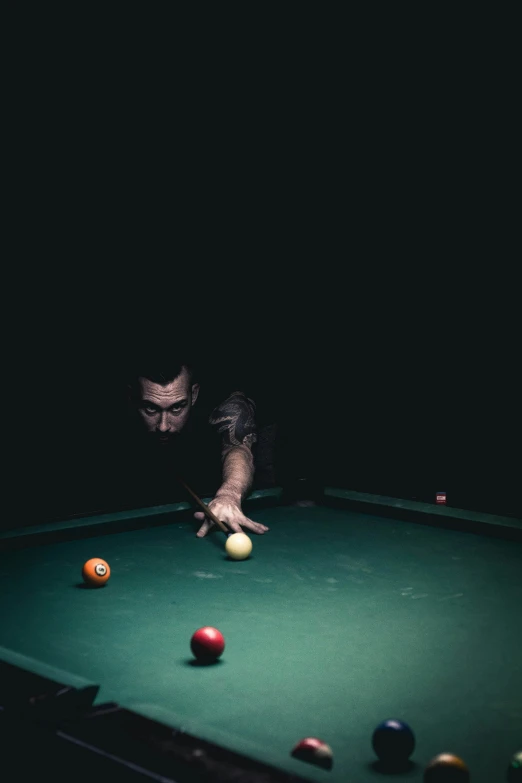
column 238, row 546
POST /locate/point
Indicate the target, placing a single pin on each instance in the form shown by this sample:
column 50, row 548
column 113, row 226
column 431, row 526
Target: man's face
column 165, row 410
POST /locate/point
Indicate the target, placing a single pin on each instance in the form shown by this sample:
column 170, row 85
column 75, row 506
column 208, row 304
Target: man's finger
column 205, row 527
column 256, row 527
column 199, row 515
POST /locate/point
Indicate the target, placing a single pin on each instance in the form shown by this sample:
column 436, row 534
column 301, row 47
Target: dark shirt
column 195, row 455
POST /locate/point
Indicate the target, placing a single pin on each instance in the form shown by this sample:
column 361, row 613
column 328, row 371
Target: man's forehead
column 170, row 392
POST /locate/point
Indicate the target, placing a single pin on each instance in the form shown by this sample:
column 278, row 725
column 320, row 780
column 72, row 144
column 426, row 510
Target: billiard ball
column 446, row 768
column 393, row 742
column 314, row 751
column 514, row 773
column 238, row 546
column 207, row 644
column 96, row 572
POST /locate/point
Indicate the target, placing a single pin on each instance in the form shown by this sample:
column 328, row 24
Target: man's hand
column 228, row 509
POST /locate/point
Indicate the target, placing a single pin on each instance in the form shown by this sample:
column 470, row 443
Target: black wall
column 372, row 397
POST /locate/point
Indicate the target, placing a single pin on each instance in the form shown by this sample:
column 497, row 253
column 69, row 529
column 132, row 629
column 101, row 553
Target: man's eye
column 149, row 409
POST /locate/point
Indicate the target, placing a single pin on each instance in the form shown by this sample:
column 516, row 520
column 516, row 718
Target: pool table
column 352, row 609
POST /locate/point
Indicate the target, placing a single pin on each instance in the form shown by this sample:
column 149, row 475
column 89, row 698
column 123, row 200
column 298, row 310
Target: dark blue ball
column 393, row 742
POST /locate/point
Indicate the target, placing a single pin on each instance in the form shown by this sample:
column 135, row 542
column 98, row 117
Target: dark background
column 379, row 394
column 345, row 227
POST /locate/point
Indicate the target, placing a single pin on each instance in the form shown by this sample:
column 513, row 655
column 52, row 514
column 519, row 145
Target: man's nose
column 164, row 424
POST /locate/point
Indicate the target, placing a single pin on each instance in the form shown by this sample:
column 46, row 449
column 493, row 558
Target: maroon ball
column 207, row 644
column 314, row 751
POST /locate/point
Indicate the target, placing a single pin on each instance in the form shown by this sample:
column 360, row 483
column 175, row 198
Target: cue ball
column 96, row 572
column 446, row 768
column 238, row 546
column 207, row 644
column 393, row 742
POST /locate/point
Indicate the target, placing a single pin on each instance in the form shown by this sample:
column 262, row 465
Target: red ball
column 314, row 751
column 207, row 644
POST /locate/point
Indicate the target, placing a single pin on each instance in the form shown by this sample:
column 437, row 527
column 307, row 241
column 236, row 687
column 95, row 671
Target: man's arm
column 238, row 472
column 234, row 419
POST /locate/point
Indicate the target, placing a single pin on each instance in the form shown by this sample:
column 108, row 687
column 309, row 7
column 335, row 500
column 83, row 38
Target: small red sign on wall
column 440, row 498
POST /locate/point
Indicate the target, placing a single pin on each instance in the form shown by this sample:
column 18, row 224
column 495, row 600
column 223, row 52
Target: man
column 177, row 441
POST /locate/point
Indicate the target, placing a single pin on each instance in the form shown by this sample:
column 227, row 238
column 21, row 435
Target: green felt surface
column 338, row 621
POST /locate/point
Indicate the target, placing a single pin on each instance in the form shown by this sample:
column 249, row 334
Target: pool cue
column 205, row 508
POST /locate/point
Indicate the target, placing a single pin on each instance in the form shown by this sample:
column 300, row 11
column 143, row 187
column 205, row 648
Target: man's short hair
column 161, row 363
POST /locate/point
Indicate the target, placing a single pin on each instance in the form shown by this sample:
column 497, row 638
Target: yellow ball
column 446, row 766
column 238, row 546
